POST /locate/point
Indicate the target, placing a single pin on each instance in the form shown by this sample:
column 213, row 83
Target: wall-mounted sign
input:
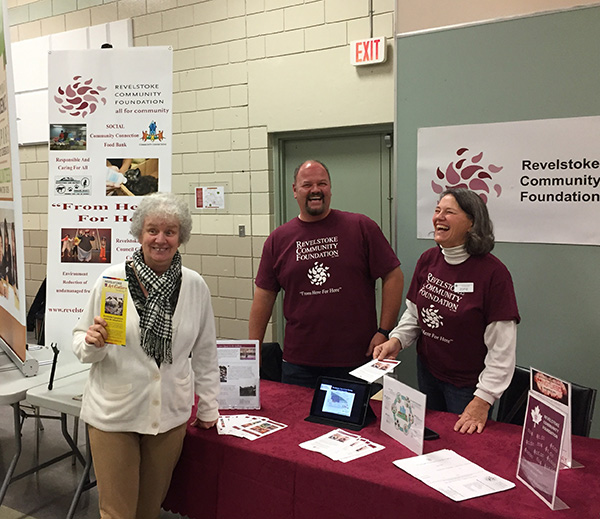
column 368, row 52
column 212, row 197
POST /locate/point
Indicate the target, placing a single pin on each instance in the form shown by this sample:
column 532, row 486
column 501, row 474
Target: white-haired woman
column 138, row 397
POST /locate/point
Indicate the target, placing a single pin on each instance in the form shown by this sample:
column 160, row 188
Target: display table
column 226, row 477
column 65, row 398
column 14, row 387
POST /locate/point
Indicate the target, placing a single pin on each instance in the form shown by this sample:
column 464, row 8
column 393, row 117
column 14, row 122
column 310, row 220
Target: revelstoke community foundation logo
column 468, row 171
column 79, row 98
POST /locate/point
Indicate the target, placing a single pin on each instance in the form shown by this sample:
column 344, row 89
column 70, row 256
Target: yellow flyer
column 114, row 309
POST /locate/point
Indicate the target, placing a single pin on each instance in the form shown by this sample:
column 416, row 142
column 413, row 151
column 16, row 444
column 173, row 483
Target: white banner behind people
column 540, row 179
column 12, row 265
column 110, row 142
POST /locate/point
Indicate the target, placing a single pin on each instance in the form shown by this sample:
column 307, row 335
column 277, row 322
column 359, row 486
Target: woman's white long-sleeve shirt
column 126, row 390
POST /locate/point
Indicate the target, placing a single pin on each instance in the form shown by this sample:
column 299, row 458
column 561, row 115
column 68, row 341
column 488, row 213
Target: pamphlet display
column 113, row 309
column 557, row 393
column 239, row 374
column 541, row 447
column 403, row 414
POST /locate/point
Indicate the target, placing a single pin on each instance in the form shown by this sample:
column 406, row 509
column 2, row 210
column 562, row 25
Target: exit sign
column 368, row 52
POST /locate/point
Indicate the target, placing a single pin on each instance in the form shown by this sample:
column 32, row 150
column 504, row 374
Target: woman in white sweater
column 138, row 397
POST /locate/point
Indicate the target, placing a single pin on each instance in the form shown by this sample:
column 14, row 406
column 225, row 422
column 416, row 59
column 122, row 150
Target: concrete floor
column 48, row 493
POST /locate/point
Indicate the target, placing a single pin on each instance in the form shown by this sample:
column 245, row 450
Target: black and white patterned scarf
column 156, row 321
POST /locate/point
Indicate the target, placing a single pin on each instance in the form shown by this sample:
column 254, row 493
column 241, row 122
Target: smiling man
column 327, row 262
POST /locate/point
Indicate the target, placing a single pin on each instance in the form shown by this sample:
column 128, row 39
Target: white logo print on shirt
column 318, row 274
column 431, row 317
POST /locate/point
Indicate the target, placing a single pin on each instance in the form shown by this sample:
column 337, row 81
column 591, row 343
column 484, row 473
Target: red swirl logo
column 468, row 173
column 79, row 98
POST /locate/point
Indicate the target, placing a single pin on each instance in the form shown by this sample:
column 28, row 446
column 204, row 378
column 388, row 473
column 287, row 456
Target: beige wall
column 243, row 69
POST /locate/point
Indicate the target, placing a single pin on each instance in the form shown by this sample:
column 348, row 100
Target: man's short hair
column 312, row 160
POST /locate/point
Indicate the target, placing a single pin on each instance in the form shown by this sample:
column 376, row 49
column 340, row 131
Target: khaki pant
column 134, row 470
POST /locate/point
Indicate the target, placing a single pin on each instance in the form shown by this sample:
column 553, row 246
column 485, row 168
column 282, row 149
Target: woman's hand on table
column 474, row 417
column 97, row 334
column 203, row 425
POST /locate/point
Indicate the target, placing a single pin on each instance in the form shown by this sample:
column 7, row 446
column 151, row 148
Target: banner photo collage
column 110, row 143
column 12, row 265
column 540, row 179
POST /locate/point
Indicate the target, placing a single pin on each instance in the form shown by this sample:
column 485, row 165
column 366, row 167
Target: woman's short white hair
column 165, row 205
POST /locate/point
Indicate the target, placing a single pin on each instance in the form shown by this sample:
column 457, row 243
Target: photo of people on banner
column 8, row 258
column 131, row 177
column 68, row 137
column 85, row 245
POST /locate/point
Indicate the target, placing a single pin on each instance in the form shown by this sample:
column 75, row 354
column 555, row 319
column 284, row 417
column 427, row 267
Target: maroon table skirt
column 226, row 477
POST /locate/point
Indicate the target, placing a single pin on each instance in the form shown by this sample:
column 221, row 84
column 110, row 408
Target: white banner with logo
column 540, row 179
column 110, row 142
column 12, row 266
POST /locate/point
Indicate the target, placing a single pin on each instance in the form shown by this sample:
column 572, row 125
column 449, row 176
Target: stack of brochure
column 247, row 426
column 340, row 445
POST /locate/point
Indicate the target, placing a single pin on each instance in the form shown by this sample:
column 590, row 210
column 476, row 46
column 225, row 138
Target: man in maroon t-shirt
column 327, row 262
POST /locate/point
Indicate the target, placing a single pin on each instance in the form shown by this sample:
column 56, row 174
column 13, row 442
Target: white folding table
column 65, row 398
column 14, row 387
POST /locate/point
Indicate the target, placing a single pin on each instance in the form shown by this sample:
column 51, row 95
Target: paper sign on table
column 557, row 393
column 541, row 447
column 239, row 374
column 403, row 414
column 452, row 475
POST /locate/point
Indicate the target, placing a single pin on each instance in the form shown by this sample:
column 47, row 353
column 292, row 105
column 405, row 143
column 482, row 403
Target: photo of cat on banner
column 131, row 177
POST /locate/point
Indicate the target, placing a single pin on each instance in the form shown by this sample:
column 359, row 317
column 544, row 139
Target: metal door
column 360, row 165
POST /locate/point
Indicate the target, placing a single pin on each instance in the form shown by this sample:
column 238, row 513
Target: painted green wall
column 539, row 67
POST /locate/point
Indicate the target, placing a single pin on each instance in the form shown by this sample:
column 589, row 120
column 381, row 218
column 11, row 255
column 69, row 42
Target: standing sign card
column 541, row 447
column 403, row 414
column 238, row 374
column 558, row 393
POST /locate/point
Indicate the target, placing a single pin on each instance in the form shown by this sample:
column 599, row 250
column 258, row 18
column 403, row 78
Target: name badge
column 464, row 288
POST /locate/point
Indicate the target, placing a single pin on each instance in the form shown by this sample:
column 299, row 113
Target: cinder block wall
column 235, row 82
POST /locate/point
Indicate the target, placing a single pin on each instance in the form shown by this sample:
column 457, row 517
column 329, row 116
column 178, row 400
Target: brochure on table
column 341, row 445
column 239, row 374
column 557, row 393
column 452, row 475
column 541, row 446
column 403, row 414
column 247, row 426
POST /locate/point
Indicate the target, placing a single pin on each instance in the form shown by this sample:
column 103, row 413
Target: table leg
column 84, row 482
column 18, row 445
column 67, row 436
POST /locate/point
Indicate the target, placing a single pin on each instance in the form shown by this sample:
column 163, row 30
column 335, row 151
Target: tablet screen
column 341, row 400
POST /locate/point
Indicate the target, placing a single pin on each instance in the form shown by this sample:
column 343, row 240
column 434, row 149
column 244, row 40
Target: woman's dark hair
column 480, row 237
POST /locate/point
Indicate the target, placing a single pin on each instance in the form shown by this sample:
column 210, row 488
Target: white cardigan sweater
column 126, row 390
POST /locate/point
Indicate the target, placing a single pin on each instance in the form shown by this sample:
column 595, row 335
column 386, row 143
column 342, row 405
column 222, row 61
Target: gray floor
column 48, row 493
